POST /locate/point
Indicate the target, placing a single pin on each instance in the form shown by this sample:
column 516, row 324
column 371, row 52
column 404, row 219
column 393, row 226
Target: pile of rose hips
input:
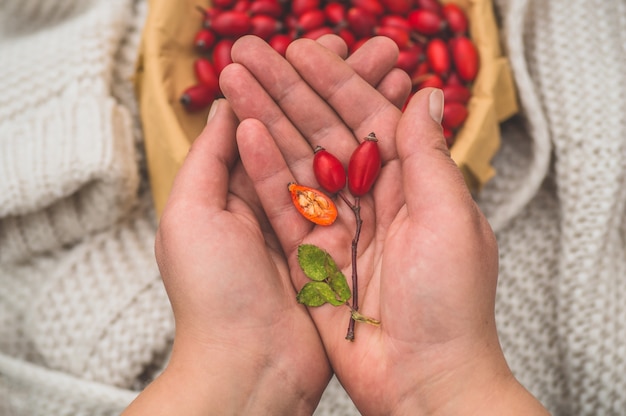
column 363, row 169
column 435, row 49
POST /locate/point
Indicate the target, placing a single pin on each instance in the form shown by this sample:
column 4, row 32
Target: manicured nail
column 435, row 102
column 213, row 109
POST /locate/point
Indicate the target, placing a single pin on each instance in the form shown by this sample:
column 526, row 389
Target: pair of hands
column 228, row 237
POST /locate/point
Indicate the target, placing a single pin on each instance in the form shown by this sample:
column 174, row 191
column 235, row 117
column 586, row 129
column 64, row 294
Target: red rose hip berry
column 438, row 56
column 455, row 18
column 328, row 170
column 454, row 115
column 364, row 166
column 465, row 58
column 425, row 22
column 231, row 23
column 197, row 97
column 206, row 74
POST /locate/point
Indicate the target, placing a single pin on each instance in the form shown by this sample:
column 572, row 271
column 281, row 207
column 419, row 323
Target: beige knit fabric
column 84, row 319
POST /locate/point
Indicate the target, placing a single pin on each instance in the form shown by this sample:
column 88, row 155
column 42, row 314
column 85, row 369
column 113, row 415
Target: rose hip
column 430, row 5
column 231, row 23
column 241, row 6
column 206, row 75
column 347, row 37
column 270, row 8
column 465, row 58
column 454, row 115
column 310, row 20
column 204, row 40
column 425, row 22
column 454, row 79
column 197, row 97
column 398, row 35
column 335, row 13
column 409, row 58
column 401, row 7
column 456, row 93
column 364, row 166
column 328, row 170
column 438, row 56
column 361, row 22
column 455, row 18
column 264, row 26
column 208, row 14
column 298, row 7
column 317, row 33
column 428, row 80
column 314, row 205
column 221, row 54
column 280, row 42
column 358, row 44
column 374, row 7
column 396, row 21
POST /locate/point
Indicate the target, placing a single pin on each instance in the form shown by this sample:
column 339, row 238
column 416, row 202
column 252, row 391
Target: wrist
column 238, row 380
column 202, row 379
column 480, row 385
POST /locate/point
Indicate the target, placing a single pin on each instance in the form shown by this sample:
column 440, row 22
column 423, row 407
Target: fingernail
column 435, row 102
column 213, row 109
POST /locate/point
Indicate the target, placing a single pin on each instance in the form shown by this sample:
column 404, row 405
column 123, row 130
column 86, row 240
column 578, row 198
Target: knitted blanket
column 84, row 320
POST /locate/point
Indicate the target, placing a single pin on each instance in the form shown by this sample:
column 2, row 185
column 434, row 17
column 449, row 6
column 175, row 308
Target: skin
column 243, row 345
column 227, row 242
column 428, row 260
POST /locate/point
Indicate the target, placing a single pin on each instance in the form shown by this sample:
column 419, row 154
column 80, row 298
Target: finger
column 250, row 101
column 335, row 44
column 203, row 179
column 395, row 87
column 380, row 71
column 430, row 177
column 286, row 98
column 315, row 119
column 269, row 171
column 271, row 175
column 374, row 59
column 361, row 107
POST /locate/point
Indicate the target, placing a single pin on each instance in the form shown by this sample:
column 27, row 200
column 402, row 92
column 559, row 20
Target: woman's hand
column 427, row 258
column 243, row 345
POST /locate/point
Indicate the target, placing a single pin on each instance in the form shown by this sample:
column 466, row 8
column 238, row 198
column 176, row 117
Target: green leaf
column 316, row 263
column 338, row 283
column 316, row 294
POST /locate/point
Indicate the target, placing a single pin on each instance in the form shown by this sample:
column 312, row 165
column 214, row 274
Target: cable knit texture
column 84, row 319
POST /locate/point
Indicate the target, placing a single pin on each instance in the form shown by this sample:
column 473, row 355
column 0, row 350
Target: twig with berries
column 363, row 170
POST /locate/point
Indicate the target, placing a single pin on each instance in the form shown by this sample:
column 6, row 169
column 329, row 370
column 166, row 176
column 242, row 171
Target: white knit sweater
column 84, row 319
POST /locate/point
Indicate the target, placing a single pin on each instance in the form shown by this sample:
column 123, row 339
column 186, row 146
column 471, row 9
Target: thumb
column 431, row 178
